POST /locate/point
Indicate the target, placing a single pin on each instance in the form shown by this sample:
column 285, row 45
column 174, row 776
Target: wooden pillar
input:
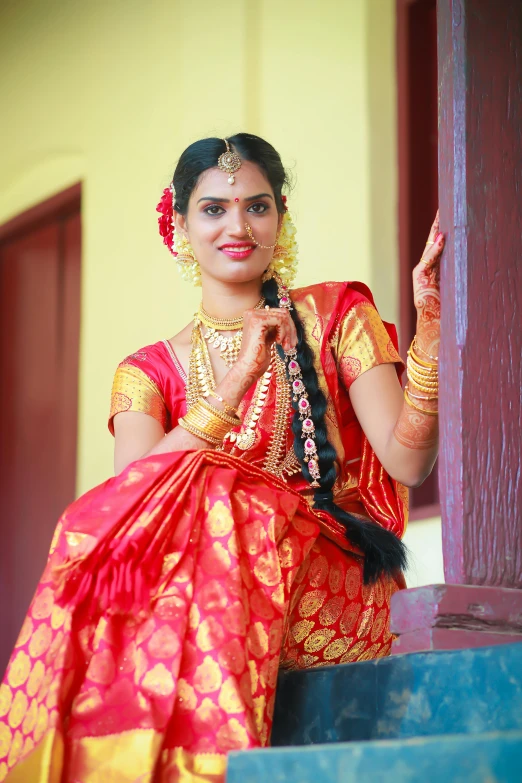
column 480, row 192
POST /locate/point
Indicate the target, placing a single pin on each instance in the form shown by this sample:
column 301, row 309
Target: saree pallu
column 153, row 643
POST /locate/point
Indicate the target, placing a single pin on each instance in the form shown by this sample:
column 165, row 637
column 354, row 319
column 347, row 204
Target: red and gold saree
column 175, row 591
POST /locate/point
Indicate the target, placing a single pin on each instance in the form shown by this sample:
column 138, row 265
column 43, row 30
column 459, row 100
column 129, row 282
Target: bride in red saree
column 175, row 591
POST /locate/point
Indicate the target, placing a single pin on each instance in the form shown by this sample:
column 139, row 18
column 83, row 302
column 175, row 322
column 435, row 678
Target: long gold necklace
column 201, row 382
column 228, row 347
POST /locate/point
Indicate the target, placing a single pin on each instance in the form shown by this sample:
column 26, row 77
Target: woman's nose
column 236, row 223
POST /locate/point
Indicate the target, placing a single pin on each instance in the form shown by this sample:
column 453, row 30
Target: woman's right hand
column 261, row 329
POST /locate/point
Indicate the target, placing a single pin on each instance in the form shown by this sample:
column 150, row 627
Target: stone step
column 494, row 757
column 413, row 695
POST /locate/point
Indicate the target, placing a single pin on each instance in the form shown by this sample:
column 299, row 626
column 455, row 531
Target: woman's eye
column 258, row 208
column 214, row 209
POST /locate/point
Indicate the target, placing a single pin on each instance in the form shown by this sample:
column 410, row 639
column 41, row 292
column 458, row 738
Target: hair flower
column 166, row 219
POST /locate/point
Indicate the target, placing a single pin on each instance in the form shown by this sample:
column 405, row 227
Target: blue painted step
column 461, row 758
column 414, row 695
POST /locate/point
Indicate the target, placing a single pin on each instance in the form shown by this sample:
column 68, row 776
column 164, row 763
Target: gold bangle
column 416, row 346
column 428, row 379
column 420, row 373
column 232, row 420
column 227, row 408
column 419, row 361
column 420, row 397
column 412, row 352
column 420, row 370
column 207, row 420
column 417, row 408
column 199, row 434
column 423, row 387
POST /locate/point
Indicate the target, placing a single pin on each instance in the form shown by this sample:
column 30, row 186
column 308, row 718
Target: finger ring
column 430, row 243
column 424, row 261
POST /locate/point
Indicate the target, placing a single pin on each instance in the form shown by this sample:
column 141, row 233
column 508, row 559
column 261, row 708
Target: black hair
column 204, row 154
column 384, row 553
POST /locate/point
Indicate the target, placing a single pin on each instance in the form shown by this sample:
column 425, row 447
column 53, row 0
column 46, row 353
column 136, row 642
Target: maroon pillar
column 480, row 473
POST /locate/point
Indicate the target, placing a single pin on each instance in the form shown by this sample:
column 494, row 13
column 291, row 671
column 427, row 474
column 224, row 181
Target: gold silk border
column 133, row 390
column 42, row 765
column 363, row 343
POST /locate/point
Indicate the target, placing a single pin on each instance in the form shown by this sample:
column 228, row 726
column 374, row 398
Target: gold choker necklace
column 223, row 324
column 228, row 347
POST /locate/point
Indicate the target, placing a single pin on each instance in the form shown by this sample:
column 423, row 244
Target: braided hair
column 384, row 553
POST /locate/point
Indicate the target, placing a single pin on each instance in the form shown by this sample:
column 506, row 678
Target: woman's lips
column 238, row 252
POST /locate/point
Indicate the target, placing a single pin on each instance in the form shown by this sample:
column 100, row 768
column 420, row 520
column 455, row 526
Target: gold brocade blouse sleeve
column 133, row 390
column 363, row 342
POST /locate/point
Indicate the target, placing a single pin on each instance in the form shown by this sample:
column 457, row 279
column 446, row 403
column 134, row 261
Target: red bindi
column 236, row 200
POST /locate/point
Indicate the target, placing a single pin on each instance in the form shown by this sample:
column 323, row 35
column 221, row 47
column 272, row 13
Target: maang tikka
column 229, row 162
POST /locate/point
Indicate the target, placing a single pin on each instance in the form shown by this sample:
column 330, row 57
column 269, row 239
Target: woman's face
column 215, row 224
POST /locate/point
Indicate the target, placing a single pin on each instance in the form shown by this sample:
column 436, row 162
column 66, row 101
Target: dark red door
column 39, row 333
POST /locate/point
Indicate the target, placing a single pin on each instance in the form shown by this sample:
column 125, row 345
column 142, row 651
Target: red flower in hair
column 283, row 199
column 166, row 229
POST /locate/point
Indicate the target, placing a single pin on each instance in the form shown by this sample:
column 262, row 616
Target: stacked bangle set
column 208, row 422
column 423, row 379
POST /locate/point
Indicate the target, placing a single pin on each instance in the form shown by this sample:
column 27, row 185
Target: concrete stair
column 452, row 716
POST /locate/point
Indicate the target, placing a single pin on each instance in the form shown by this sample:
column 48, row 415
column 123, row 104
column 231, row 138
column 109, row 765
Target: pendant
column 245, row 440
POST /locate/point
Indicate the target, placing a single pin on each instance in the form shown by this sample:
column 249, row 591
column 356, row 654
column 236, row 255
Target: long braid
column 383, row 552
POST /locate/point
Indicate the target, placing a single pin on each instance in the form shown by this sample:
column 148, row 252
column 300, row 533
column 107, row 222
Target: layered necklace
column 201, row 381
column 228, row 347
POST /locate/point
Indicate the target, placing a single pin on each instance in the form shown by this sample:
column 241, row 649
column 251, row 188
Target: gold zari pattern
column 133, row 390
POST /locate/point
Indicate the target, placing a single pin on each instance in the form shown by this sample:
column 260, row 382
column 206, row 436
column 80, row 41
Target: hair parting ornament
column 229, row 162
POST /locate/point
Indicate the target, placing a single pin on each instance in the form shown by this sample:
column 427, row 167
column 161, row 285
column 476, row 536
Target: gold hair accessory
column 229, row 162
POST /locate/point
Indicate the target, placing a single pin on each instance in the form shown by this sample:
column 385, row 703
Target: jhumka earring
column 186, row 260
column 229, row 162
column 185, row 252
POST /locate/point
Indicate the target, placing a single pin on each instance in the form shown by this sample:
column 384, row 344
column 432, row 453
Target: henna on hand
column 416, row 430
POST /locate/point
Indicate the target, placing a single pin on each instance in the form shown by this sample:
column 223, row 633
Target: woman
column 263, row 455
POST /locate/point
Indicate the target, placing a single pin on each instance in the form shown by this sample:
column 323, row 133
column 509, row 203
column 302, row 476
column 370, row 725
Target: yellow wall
column 110, row 92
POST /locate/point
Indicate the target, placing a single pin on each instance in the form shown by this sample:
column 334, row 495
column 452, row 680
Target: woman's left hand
column 426, row 275
column 426, row 292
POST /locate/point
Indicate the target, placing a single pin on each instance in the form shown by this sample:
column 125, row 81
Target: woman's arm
column 405, row 439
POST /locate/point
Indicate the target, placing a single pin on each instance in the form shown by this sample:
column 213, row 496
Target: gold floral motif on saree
column 362, row 342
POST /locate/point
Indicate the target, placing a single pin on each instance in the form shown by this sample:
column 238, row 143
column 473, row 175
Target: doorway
column 40, row 265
